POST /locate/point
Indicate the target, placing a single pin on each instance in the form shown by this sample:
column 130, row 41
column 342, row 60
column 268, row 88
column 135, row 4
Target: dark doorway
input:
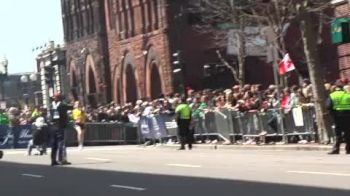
column 119, row 91
column 92, row 98
column 74, row 86
column 131, row 88
column 156, row 83
column 92, row 82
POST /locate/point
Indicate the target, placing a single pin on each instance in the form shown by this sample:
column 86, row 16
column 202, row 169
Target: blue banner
column 146, row 131
column 15, row 137
column 153, row 127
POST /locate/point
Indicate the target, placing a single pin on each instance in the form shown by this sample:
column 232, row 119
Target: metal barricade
column 250, row 124
column 170, row 125
column 224, row 123
column 105, row 132
column 300, row 122
column 237, row 131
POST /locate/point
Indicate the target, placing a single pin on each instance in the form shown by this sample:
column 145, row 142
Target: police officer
column 183, row 112
column 60, row 120
column 339, row 106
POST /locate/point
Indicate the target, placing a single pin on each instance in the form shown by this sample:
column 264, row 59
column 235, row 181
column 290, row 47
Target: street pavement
column 138, row 170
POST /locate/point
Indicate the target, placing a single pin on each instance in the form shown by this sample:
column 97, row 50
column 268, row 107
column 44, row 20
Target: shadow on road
column 58, row 181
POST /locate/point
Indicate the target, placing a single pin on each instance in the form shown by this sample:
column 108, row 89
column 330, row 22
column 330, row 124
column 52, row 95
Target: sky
column 28, row 24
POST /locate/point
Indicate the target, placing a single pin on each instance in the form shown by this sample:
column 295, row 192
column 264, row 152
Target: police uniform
column 183, row 112
column 339, row 105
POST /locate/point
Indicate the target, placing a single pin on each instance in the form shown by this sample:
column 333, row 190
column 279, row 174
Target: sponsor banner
column 15, row 137
column 153, row 127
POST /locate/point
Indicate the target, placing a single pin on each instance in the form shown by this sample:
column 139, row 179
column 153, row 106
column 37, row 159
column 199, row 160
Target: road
column 135, row 170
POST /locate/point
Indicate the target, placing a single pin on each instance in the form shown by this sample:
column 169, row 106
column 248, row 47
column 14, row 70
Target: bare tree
column 278, row 15
column 310, row 14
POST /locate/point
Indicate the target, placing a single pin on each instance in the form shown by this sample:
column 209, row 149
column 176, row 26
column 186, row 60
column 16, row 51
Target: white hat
column 40, row 122
column 138, row 102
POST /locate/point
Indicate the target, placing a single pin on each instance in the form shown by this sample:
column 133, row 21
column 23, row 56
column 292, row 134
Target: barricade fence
column 233, row 126
column 223, row 125
column 95, row 133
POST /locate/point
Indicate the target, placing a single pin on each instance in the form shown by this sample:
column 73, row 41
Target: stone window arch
column 154, row 75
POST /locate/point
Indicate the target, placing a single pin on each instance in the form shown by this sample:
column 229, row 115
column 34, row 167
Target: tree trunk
column 241, row 51
column 315, row 70
column 237, row 18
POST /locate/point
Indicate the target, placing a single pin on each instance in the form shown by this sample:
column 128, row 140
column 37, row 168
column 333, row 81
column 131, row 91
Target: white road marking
column 128, row 187
column 32, row 175
column 97, row 159
column 320, row 173
column 14, row 153
column 184, row 165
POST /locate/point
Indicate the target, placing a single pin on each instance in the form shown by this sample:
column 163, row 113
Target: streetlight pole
column 3, row 75
column 27, row 81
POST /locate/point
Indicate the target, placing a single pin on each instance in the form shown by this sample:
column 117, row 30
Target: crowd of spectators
column 238, row 98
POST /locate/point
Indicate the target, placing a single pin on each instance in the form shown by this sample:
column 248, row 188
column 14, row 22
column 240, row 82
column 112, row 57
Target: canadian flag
column 286, row 65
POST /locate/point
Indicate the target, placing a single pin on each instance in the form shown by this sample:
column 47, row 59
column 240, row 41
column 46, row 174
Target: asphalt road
column 131, row 170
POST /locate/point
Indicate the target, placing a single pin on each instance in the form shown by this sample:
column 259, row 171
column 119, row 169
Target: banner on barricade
column 298, row 117
column 145, row 128
column 158, row 126
column 15, row 137
column 170, row 124
column 153, row 127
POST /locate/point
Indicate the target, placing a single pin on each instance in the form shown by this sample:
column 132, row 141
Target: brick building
column 124, row 50
column 138, row 49
column 87, row 50
column 342, row 11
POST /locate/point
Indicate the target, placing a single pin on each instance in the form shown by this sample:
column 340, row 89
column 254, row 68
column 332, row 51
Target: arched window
column 130, row 84
column 131, row 16
column 156, row 83
column 92, row 81
column 156, row 14
column 149, row 15
column 143, row 17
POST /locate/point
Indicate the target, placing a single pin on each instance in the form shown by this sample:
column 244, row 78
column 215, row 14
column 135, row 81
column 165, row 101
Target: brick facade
column 86, row 46
column 138, row 42
column 343, row 10
column 122, row 50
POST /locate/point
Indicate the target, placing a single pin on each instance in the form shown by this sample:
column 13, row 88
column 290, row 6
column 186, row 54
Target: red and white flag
column 286, row 65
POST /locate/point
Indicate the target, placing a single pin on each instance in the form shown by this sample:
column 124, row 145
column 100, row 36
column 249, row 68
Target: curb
column 255, row 147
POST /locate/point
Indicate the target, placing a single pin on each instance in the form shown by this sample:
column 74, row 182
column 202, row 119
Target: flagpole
column 276, row 78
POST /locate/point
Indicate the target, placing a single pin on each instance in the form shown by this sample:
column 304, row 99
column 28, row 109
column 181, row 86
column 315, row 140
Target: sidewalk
column 279, row 147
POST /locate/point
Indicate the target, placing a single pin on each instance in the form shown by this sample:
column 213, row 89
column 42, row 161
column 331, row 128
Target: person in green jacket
column 183, row 112
column 4, row 120
column 339, row 106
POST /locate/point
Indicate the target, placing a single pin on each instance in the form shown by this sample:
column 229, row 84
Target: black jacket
column 63, row 119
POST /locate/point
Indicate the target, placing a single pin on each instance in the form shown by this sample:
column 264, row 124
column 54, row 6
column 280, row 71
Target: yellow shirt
column 78, row 115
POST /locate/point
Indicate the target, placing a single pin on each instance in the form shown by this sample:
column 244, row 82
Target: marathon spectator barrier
column 15, row 137
column 96, row 133
column 224, row 125
column 228, row 125
column 105, row 132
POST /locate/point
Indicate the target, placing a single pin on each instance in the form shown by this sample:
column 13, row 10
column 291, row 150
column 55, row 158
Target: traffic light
column 48, row 73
